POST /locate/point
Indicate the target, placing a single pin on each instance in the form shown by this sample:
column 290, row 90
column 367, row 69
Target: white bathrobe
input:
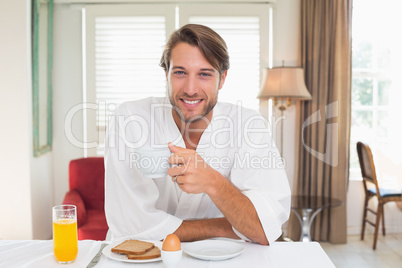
column 236, row 143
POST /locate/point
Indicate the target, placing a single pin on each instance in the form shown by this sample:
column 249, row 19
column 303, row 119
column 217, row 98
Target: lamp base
column 288, row 103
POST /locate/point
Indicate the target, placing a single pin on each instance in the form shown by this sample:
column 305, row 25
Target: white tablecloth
column 39, row 253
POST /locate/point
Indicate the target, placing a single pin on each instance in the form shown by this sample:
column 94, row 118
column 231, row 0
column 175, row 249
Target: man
column 220, row 184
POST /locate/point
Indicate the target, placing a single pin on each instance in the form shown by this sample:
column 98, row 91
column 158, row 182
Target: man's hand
column 194, row 175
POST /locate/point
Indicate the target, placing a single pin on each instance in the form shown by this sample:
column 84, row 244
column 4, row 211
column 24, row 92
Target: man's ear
column 222, row 79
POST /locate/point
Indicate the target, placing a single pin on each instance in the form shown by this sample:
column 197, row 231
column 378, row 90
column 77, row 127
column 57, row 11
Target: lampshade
column 285, row 83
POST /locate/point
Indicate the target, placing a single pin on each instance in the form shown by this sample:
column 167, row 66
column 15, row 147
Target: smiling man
column 226, row 177
column 193, row 84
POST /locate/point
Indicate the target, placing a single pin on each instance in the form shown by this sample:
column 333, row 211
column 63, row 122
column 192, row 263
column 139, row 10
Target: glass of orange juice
column 65, row 239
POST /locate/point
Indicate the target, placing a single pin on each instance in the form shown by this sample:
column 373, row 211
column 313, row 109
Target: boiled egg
column 171, row 243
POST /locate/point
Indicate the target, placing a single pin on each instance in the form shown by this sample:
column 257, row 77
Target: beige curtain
column 323, row 153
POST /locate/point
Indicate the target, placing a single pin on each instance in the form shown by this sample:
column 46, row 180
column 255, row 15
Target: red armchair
column 87, row 192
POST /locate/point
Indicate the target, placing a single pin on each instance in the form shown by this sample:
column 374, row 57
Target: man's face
column 193, row 83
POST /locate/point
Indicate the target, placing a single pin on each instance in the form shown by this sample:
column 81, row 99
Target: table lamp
column 284, row 83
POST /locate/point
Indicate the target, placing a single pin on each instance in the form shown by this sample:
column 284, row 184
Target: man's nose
column 191, row 87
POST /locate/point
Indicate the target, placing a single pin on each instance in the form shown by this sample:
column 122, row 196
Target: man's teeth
column 191, row 102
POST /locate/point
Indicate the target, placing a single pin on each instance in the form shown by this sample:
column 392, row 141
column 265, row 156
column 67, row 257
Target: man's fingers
column 176, row 171
column 176, row 180
column 176, row 159
column 178, row 156
column 175, row 149
column 183, row 158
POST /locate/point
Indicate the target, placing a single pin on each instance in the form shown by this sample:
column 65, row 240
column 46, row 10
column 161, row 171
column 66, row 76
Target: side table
column 310, row 206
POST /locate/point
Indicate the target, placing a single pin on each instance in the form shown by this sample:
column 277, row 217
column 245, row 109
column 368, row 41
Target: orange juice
column 65, row 241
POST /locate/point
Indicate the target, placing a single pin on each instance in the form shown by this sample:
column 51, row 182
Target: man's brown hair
column 211, row 44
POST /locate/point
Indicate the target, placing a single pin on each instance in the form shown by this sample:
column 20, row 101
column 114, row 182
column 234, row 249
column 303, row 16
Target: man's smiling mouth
column 191, row 101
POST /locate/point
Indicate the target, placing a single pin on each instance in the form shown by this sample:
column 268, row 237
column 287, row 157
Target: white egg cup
column 171, row 258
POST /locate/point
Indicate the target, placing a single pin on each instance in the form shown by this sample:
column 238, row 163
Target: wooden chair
column 383, row 195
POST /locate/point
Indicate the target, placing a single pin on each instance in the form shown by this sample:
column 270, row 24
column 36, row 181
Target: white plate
column 107, row 251
column 213, row 250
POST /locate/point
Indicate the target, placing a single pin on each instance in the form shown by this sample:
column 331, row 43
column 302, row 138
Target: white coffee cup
column 153, row 162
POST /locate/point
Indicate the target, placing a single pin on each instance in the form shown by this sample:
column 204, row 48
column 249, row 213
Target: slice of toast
column 151, row 254
column 133, row 247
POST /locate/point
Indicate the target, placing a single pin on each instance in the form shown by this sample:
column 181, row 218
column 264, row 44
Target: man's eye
column 179, row 72
column 205, row 74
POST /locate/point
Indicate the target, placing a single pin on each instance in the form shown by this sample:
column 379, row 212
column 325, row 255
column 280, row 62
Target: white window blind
column 125, row 43
column 242, row 36
column 128, row 51
column 127, row 54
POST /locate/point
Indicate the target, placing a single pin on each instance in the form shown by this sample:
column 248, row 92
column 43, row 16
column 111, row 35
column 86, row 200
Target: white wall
column 285, row 51
column 25, row 182
column 67, row 93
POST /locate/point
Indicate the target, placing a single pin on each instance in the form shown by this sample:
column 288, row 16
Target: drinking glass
column 65, row 239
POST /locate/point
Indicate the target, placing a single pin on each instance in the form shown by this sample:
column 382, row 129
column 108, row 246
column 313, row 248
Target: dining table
column 39, row 253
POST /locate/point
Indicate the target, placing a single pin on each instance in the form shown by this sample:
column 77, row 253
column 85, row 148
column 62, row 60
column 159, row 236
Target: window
column 125, row 42
column 376, row 79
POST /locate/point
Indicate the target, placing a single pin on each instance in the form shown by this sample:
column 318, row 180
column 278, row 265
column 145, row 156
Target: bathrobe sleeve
column 130, row 199
column 258, row 172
